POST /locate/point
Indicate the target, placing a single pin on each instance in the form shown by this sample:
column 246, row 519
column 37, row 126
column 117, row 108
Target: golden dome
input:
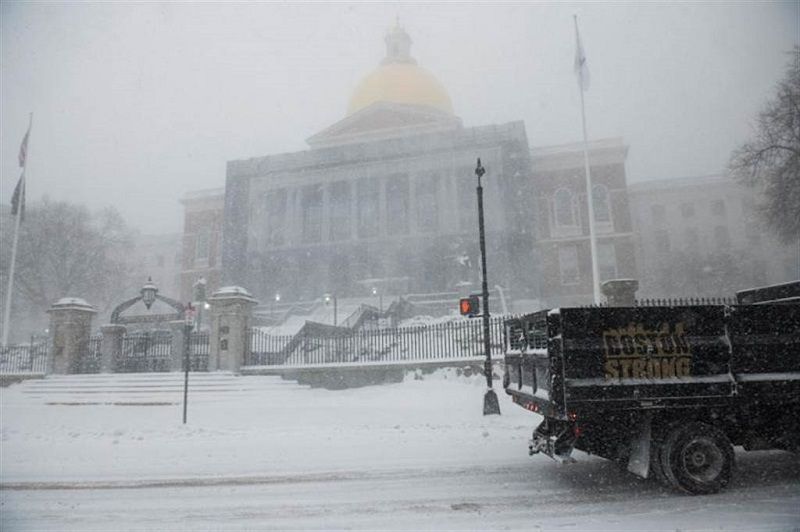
column 400, row 83
column 400, row 80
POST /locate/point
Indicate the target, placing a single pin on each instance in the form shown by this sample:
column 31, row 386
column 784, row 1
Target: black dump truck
column 666, row 391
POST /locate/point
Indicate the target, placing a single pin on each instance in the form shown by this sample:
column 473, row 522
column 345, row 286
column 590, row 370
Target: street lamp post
column 328, row 298
column 199, row 296
column 276, row 299
column 491, row 405
column 380, row 298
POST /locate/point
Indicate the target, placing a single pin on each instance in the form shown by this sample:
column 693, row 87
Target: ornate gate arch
column 149, row 346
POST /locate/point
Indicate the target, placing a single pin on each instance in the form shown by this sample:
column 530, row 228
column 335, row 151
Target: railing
column 460, row 339
column 90, row 358
column 673, row 302
column 267, row 349
column 145, row 352
column 685, row 301
column 199, row 349
column 25, row 358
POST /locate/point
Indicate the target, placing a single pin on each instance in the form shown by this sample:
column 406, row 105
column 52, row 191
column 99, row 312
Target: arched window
column 563, row 208
column 601, row 203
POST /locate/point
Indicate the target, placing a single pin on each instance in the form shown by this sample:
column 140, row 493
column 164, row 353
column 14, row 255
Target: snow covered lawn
column 260, row 453
column 264, row 427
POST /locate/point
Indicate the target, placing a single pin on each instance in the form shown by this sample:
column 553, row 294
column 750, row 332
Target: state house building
column 384, row 201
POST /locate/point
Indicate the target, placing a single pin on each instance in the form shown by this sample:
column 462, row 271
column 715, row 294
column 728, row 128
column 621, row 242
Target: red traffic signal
column 469, row 306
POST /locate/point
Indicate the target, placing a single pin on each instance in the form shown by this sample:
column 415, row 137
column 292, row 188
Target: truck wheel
column 697, row 458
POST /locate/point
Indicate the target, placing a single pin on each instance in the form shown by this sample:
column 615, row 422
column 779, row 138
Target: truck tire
column 697, row 458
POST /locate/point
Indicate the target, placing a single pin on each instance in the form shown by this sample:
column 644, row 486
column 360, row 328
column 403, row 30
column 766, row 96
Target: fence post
column 231, row 315
column 70, row 329
column 620, row 292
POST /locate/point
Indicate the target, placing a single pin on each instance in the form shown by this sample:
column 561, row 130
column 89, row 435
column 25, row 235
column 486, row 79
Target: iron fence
column 145, row 352
column 267, row 349
column 30, row 357
column 199, row 349
column 89, row 361
column 460, row 339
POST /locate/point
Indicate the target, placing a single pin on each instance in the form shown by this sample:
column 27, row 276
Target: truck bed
column 564, row 361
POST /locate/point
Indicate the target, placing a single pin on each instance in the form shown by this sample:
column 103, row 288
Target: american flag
column 23, row 149
column 18, row 198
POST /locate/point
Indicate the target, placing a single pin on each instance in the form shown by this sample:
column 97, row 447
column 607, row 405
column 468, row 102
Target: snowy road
column 417, row 455
column 591, row 494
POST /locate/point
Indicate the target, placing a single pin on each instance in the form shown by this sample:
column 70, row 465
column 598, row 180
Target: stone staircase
column 145, row 389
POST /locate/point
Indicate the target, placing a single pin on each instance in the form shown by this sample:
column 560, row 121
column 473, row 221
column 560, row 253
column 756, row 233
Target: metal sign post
column 188, row 325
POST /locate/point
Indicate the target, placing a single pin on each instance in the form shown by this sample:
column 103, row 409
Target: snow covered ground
column 100, row 453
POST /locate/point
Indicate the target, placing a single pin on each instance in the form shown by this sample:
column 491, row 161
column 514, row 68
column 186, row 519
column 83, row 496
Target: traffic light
column 469, row 306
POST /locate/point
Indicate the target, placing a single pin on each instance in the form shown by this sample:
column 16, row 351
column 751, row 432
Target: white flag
column 581, row 67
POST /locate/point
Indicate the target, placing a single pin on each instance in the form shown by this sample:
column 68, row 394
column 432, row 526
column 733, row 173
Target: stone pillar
column 620, row 292
column 231, row 315
column 178, row 329
column 412, row 204
column 383, row 208
column 70, row 329
column 352, row 187
column 111, row 346
column 326, row 212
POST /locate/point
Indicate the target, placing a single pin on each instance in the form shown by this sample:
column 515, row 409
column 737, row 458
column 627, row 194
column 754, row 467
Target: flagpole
column 20, row 207
column 589, row 194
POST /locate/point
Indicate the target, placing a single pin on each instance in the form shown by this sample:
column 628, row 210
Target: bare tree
column 65, row 250
column 770, row 161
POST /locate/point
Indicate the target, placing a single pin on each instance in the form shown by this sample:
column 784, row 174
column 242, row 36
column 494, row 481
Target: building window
column 607, row 261
column 568, row 264
column 718, row 208
column 276, row 216
column 722, row 237
column 160, row 261
column 658, row 213
column 340, row 211
column 662, row 241
column 687, row 210
column 563, row 208
column 202, row 244
column 427, row 204
column 368, row 214
column 601, row 204
column 311, row 205
column 397, row 205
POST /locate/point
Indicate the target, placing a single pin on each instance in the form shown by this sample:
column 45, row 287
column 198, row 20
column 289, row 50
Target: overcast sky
column 137, row 103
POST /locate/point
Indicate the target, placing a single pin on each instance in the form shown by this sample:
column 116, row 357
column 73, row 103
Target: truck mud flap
column 640, row 449
column 554, row 438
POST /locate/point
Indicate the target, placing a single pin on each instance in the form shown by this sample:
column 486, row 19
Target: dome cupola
column 399, row 79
